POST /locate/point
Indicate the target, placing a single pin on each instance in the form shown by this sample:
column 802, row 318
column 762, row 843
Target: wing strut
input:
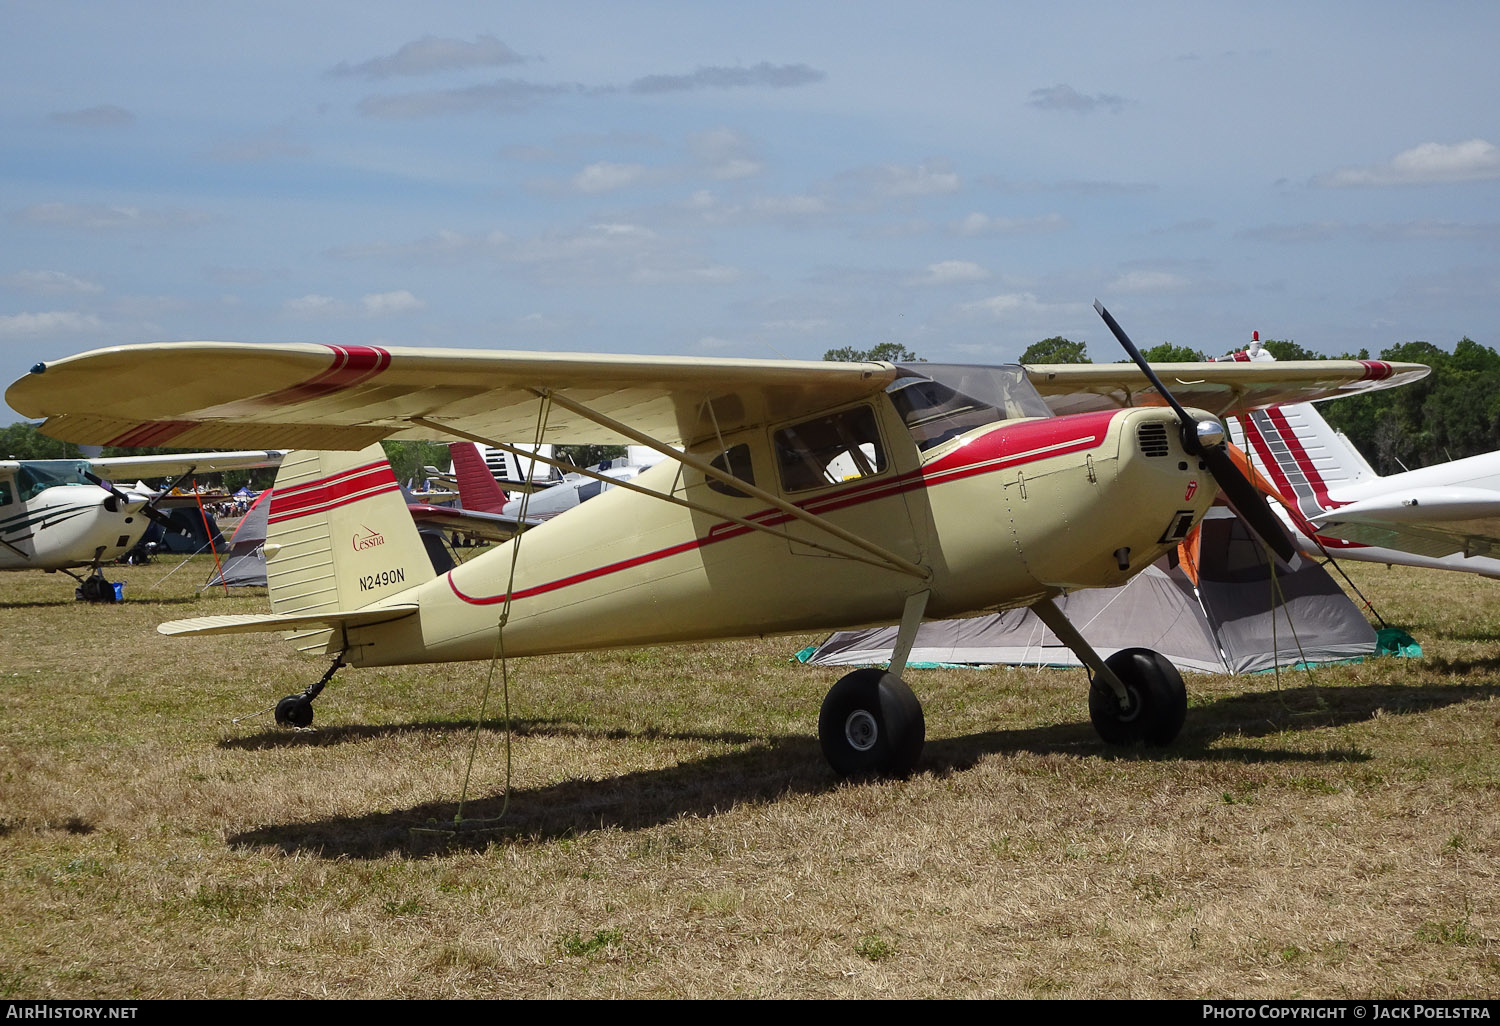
column 883, row 557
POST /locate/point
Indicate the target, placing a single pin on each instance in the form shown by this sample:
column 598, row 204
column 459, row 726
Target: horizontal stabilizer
column 253, row 623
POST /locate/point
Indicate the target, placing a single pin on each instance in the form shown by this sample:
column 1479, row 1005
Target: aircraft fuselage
column 999, row 516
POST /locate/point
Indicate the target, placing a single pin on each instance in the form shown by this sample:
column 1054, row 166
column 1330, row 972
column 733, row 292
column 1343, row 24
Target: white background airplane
column 65, row 515
column 967, row 494
column 1444, row 517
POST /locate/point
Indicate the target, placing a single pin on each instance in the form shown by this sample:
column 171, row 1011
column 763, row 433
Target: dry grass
column 671, row 830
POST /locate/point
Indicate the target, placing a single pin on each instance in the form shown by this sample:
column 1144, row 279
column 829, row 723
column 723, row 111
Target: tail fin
column 477, row 488
column 1302, row 454
column 338, row 534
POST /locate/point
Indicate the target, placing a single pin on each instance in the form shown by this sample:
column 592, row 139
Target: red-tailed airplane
column 794, row 496
column 65, row 515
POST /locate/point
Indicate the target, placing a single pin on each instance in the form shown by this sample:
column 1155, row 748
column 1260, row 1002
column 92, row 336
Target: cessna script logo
column 368, row 539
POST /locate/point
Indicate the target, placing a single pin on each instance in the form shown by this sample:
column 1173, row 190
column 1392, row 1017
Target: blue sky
column 747, row 180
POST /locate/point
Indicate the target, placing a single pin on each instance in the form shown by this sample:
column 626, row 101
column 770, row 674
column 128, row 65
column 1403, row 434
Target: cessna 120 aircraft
column 794, row 496
column 65, row 515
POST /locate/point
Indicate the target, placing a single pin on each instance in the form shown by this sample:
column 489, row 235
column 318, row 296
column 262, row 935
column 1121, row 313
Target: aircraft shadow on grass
column 779, row 766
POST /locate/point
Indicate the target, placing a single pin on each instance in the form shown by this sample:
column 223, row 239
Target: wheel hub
column 861, row 730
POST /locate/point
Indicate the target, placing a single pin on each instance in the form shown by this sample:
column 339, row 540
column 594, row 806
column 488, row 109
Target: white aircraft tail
column 338, row 534
column 1301, row 454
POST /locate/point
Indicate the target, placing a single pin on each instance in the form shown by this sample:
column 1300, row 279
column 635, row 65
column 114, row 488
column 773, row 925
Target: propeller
column 1206, row 440
column 147, row 509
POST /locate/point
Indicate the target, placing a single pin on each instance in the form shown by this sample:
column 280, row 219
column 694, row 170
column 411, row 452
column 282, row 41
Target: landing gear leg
column 1136, row 695
column 297, row 710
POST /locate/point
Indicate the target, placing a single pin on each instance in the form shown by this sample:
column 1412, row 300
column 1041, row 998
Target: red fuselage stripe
column 994, row 451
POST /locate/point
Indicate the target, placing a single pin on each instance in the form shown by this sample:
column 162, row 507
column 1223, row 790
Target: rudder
column 338, row 534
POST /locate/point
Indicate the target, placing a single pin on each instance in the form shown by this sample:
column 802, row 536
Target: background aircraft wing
column 304, row 395
column 1220, row 388
column 128, row 468
column 1433, row 521
column 489, row 526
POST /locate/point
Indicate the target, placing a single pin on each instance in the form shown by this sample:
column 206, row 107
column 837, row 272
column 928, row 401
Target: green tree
column 1286, row 349
column 1169, row 352
column 1056, row 350
column 885, row 352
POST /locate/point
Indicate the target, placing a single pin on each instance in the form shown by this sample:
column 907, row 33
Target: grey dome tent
column 1238, row 619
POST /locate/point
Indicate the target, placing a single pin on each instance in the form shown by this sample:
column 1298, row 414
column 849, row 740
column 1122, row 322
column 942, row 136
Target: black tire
column 294, row 711
column 871, row 723
column 1158, row 700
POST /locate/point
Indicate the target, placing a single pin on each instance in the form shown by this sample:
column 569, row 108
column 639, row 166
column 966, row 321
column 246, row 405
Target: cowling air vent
column 1153, row 439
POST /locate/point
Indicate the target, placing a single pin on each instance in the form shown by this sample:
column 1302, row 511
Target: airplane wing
column 304, row 395
column 1221, row 388
column 489, row 526
column 131, row 467
column 1430, row 521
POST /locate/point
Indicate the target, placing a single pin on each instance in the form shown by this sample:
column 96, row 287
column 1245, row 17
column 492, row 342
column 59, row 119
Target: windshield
column 942, row 401
column 36, row 476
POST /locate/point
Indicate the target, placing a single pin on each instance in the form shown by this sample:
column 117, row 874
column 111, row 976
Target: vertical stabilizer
column 1301, row 454
column 477, row 488
column 338, row 534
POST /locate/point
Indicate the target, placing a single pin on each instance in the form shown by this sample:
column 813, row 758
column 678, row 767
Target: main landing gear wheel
column 871, row 723
column 294, row 711
column 1157, row 704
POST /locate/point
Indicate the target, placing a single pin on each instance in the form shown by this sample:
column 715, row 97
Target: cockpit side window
column 841, row 446
column 7, row 492
column 734, row 460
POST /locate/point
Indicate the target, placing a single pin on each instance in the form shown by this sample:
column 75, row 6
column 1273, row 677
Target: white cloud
column 929, row 178
column 105, row 217
column 1147, row 281
column 726, row 153
column 384, row 304
column 430, row 54
column 49, row 283
column 1003, row 304
column 1428, row 164
column 446, row 244
column 778, row 76
column 315, row 306
column 607, row 177
column 948, row 272
column 976, row 224
column 1065, row 97
column 52, row 322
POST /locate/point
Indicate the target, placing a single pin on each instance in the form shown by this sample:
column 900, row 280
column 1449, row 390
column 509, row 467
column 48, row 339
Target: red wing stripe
column 352, row 365
column 153, row 433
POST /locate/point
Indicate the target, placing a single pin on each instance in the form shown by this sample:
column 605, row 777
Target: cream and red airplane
column 794, row 496
column 65, row 515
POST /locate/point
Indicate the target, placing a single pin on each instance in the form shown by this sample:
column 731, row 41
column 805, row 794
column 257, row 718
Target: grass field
column 669, row 829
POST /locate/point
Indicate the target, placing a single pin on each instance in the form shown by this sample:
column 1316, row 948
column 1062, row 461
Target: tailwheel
column 297, row 710
column 1156, row 703
column 294, row 711
column 871, row 723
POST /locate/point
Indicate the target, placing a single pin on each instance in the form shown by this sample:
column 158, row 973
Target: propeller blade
column 1249, row 503
column 1140, row 361
column 147, row 509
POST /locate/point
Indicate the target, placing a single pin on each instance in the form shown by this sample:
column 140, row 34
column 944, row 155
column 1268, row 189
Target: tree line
column 1452, row 413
